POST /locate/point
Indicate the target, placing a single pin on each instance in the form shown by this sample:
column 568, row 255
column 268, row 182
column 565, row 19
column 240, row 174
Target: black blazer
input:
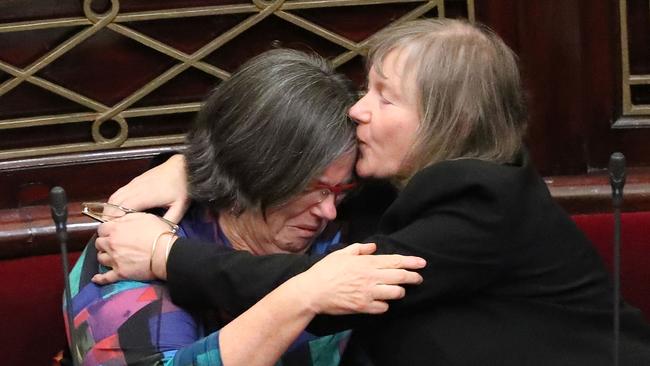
column 510, row 279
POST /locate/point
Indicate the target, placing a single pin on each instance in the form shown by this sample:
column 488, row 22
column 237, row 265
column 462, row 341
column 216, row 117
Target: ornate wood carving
column 97, row 75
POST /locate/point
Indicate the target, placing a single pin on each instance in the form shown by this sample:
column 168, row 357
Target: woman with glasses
column 268, row 160
column 510, row 279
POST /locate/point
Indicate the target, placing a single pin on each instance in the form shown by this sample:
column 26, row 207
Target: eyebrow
column 349, row 179
column 337, row 188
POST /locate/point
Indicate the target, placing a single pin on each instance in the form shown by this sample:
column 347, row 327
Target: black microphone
column 617, row 177
column 59, row 210
column 617, row 181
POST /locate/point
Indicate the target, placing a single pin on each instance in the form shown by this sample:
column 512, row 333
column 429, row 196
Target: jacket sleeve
column 204, row 275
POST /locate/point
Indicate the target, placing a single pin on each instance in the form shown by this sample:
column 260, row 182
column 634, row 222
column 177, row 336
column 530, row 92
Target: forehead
column 340, row 170
column 391, row 71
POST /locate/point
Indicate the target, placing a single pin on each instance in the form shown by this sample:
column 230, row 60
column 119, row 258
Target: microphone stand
column 617, row 181
column 59, row 210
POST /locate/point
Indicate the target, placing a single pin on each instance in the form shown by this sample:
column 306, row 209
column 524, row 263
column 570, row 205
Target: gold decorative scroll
column 116, row 21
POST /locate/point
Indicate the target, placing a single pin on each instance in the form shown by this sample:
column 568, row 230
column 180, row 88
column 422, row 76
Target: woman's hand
column 351, row 281
column 161, row 186
column 125, row 245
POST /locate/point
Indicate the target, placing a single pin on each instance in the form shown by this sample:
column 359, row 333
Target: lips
column 308, row 228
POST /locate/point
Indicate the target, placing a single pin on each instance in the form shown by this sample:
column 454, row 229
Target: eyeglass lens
column 320, row 192
column 102, row 211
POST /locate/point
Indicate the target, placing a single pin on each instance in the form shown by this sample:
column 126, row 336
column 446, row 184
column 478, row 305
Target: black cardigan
column 510, row 279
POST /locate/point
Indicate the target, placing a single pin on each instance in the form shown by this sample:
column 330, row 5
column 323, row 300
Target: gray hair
column 267, row 131
column 468, row 90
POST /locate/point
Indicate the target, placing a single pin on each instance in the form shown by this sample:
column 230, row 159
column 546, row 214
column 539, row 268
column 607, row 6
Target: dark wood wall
column 63, row 110
column 571, row 59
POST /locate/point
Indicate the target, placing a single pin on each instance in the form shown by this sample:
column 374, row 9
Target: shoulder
column 465, row 178
column 467, row 173
column 464, row 187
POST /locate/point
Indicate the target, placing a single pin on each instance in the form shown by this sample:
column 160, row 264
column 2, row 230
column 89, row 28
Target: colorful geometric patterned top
column 132, row 322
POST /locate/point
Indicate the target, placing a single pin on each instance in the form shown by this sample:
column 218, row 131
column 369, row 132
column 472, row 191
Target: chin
column 297, row 246
column 370, row 169
column 362, row 170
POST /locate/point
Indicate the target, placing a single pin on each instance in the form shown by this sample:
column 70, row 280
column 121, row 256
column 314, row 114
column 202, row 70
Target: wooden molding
column 584, row 194
column 28, row 231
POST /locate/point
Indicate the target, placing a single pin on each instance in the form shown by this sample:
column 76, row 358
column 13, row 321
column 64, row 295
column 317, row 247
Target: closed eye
column 383, row 100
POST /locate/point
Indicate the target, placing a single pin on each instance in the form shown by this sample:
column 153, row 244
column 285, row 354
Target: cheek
column 282, row 234
column 276, row 224
column 380, row 131
column 277, row 217
column 392, row 128
column 391, row 140
column 289, row 221
column 405, row 139
column 407, row 131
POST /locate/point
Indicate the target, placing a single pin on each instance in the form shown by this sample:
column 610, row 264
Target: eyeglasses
column 103, row 212
column 318, row 192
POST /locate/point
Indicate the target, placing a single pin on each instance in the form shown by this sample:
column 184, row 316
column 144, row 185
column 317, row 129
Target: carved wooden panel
column 91, row 90
column 94, row 75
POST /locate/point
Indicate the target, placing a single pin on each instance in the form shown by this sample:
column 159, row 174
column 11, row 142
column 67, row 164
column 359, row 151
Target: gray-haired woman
column 510, row 279
column 255, row 196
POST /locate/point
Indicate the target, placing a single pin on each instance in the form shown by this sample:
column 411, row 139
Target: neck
column 247, row 231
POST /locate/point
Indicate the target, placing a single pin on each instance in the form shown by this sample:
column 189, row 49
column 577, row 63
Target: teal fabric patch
column 75, row 275
column 326, row 351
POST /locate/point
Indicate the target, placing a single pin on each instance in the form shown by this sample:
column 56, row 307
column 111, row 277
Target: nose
column 359, row 112
column 326, row 209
